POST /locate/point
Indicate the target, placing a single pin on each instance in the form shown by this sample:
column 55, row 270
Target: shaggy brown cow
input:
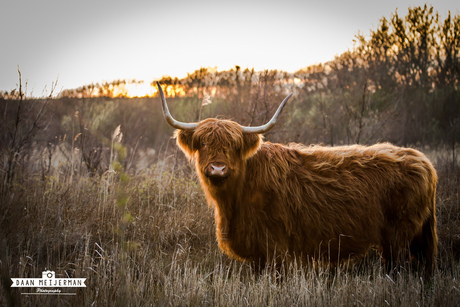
column 273, row 201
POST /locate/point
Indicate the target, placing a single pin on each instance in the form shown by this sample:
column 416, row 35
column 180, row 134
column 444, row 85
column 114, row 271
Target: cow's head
column 218, row 147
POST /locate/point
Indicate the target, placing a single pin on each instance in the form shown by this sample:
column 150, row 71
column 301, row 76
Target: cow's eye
column 203, row 144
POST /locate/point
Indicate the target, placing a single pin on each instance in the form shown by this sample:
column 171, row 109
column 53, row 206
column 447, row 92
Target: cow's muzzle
column 217, row 172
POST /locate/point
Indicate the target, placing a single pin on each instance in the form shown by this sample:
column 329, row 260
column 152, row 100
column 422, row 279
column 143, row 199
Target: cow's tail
column 425, row 246
column 430, row 239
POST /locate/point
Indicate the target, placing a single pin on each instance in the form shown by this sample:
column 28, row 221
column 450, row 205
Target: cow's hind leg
column 394, row 257
column 395, row 248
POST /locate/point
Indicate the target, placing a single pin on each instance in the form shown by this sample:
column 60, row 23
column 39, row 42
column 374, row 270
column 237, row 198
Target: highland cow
column 274, row 202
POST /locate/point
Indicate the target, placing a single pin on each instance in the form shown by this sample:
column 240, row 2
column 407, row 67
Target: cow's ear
column 184, row 139
column 251, row 143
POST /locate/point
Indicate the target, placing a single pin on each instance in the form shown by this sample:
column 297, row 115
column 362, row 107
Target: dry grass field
column 148, row 240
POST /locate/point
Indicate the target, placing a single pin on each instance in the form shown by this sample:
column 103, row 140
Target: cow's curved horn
column 169, row 119
column 271, row 123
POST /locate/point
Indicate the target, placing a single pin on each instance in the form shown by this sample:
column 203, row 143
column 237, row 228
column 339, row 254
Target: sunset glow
column 142, row 89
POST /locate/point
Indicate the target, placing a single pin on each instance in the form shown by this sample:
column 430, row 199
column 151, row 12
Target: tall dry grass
column 148, row 240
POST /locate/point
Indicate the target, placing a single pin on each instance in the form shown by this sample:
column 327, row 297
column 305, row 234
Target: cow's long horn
column 271, row 123
column 171, row 121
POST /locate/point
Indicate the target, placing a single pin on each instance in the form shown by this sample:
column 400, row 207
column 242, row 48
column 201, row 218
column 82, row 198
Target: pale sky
column 85, row 41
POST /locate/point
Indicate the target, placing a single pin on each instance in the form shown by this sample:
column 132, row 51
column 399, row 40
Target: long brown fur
column 325, row 203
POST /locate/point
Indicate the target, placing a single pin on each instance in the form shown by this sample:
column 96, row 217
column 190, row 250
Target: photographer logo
column 48, row 280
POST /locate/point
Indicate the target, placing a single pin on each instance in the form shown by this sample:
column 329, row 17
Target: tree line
column 399, row 83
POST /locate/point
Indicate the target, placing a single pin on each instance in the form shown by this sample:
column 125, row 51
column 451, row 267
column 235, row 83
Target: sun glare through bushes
column 141, row 89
